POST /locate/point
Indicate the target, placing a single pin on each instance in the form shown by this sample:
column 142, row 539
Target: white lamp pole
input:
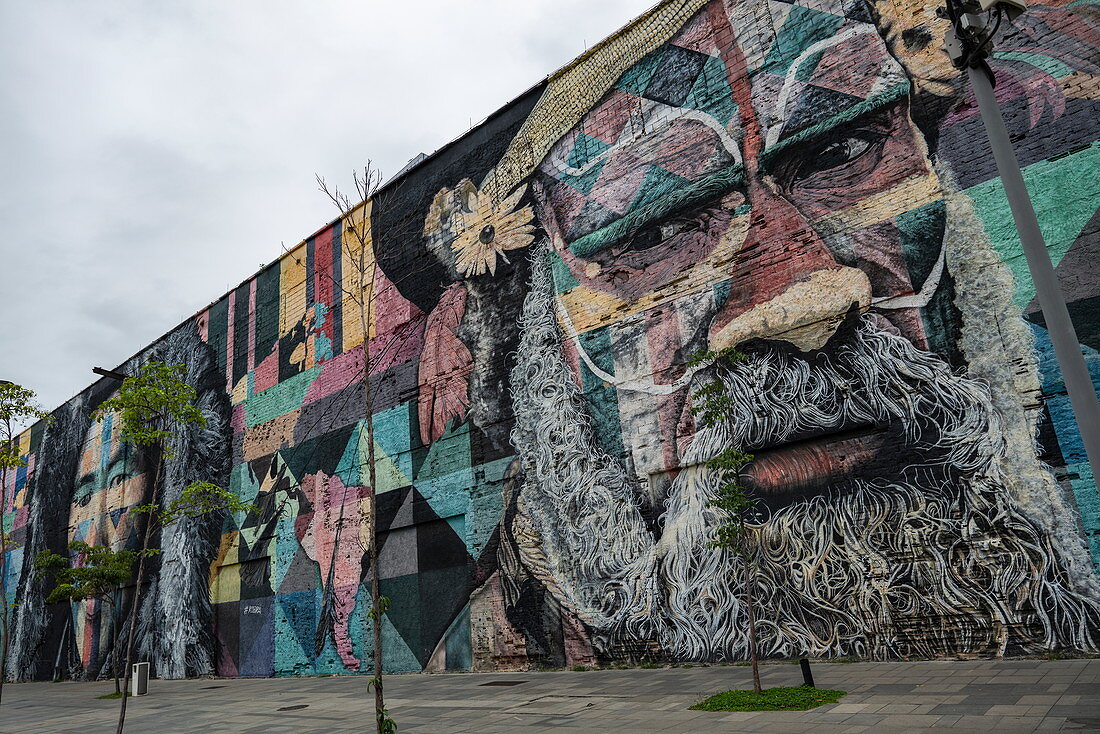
column 969, row 42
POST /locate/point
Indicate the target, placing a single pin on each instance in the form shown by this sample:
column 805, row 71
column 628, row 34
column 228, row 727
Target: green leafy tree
column 148, row 406
column 17, row 406
column 93, row 572
column 712, row 407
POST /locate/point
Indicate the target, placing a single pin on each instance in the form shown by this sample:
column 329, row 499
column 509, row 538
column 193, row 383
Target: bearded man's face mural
column 751, row 188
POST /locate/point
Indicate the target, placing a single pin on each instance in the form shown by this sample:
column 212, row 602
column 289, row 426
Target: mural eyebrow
column 710, row 187
column 868, row 106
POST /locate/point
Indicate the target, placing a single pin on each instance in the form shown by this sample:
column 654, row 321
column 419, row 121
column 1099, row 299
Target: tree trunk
column 3, row 577
column 61, row 644
column 135, row 607
column 4, row 566
column 368, row 408
column 114, row 646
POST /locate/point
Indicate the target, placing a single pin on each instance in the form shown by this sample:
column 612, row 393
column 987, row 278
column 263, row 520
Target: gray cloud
column 156, row 154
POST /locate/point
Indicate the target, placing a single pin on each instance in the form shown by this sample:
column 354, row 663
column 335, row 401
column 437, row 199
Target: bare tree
column 356, row 239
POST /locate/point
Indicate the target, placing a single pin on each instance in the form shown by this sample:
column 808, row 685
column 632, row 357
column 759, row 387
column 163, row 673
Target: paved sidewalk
column 979, row 696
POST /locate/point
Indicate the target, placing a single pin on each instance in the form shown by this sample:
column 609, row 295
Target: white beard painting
column 929, row 556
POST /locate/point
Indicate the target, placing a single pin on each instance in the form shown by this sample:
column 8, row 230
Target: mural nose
column 786, row 285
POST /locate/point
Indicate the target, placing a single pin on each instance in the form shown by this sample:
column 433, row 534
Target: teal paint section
column 585, row 148
column 457, row 642
column 563, row 279
column 447, row 455
column 448, row 495
column 279, row 399
column 486, row 506
column 396, row 655
column 658, row 184
column 393, row 434
column 603, row 403
column 722, row 292
column 1051, row 66
column 458, row 524
column 295, row 620
column 1065, row 193
column 635, row 79
column 802, row 27
column 584, row 182
column 711, row 93
column 916, row 229
column 12, row 566
column 351, row 469
column 1085, row 491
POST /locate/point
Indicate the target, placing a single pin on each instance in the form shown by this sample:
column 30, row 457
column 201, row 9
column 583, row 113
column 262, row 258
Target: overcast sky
column 155, row 154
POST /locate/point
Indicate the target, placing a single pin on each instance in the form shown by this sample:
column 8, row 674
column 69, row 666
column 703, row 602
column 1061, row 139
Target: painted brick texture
column 806, row 182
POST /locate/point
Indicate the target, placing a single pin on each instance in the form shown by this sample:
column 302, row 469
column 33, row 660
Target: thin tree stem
column 368, row 408
column 135, row 606
column 4, row 559
column 114, row 645
column 360, row 239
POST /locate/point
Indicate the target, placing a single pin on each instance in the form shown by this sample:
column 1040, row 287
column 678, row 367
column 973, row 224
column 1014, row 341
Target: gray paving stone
column 982, row 696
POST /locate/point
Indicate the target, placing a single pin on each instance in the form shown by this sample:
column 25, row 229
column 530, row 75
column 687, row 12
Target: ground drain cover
column 210, row 688
column 504, row 683
column 294, row 708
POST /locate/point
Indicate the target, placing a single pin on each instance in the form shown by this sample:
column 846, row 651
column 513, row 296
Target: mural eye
column 83, row 494
column 835, row 154
column 655, row 234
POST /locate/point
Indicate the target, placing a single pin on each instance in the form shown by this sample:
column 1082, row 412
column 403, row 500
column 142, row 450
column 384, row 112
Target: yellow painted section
column 357, row 255
column 912, row 193
column 225, row 574
column 292, row 288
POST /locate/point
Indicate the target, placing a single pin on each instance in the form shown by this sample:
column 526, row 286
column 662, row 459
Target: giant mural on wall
column 807, row 182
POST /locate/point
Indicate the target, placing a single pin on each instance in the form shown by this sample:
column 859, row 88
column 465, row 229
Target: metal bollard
column 807, row 676
column 139, row 679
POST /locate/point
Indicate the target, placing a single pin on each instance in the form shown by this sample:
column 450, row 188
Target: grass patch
column 115, row 695
column 772, row 699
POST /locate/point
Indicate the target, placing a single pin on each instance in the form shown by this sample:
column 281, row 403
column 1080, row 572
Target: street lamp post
column 969, row 43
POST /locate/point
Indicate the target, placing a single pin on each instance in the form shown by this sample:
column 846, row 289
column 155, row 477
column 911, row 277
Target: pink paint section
column 252, row 324
column 698, row 36
column 20, row 518
column 225, row 665
column 266, row 373
column 229, row 343
column 334, row 535
column 322, row 281
column 399, row 327
column 336, row 374
column 445, row 366
column 573, row 357
column 664, row 343
column 239, row 421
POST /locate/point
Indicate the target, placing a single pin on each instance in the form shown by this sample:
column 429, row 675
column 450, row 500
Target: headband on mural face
column 484, row 222
column 572, row 91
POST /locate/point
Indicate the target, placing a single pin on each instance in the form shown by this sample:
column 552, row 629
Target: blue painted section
column 1085, row 491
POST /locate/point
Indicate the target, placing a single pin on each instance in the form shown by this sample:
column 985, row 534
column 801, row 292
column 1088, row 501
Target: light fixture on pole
column 110, row 373
column 969, row 42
